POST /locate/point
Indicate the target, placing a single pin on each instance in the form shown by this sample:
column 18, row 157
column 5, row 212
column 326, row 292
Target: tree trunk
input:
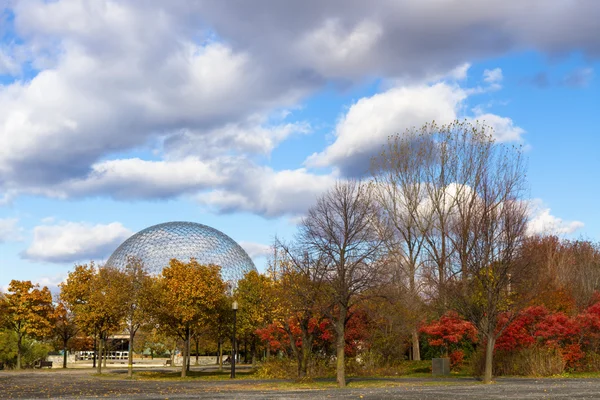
column 340, row 330
column 489, row 358
column 19, row 349
column 416, row 352
column 65, row 353
column 100, row 353
column 306, row 353
column 218, row 351
column 130, row 355
column 197, row 351
column 220, row 355
column 184, row 352
column 253, row 349
column 189, row 351
column 245, row 351
column 94, row 355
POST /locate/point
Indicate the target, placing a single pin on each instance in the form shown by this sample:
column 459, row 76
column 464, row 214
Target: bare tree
column 398, row 188
column 341, row 227
column 494, row 281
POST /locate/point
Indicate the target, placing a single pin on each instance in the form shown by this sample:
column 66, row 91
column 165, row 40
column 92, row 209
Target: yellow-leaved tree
column 255, row 295
column 27, row 311
column 98, row 298
column 186, row 294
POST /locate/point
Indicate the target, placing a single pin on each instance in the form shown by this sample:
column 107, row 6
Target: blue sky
column 117, row 115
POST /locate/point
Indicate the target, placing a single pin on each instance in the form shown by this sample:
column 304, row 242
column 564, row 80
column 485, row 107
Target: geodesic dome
column 157, row 245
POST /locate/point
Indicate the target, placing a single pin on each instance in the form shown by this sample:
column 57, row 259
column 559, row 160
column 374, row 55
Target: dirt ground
column 79, row 384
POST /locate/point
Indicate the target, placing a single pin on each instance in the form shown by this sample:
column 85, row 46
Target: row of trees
column 440, row 226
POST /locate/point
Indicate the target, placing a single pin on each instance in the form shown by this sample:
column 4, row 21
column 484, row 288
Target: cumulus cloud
column 402, row 38
column 270, row 193
column 201, row 86
column 255, row 135
column 504, row 128
column 543, row 222
column 255, row 250
column 368, row 123
column 366, row 126
column 113, row 85
column 139, row 179
column 75, row 241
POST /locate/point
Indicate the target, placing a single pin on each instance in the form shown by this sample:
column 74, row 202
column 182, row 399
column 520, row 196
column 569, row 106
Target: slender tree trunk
column 189, row 351
column 19, row 350
column 184, row 352
column 245, row 351
column 253, row 349
column 340, row 330
column 220, row 355
column 65, row 353
column 130, row 355
column 100, row 353
column 489, row 358
column 197, row 351
column 105, row 359
column 218, row 351
column 95, row 351
column 416, row 352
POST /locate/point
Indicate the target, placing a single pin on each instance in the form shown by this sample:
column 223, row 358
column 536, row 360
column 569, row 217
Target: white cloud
column 270, row 193
column 542, row 222
column 504, row 129
column 333, row 50
column 255, row 135
column 493, row 75
column 206, row 86
column 52, row 282
column 368, row 123
column 493, row 78
column 256, row 250
column 9, row 230
column 75, row 241
column 137, row 179
column 147, row 84
column 8, row 65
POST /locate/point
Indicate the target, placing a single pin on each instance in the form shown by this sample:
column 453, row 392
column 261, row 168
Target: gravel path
column 78, row 384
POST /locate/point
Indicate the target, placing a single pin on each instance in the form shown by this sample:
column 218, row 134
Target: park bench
column 168, row 363
column 43, row 364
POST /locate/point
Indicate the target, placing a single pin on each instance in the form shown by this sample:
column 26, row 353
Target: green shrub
column 32, row 351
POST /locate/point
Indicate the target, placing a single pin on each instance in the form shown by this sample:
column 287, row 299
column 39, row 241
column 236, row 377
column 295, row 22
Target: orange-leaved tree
column 65, row 326
column 98, row 298
column 185, row 295
column 27, row 311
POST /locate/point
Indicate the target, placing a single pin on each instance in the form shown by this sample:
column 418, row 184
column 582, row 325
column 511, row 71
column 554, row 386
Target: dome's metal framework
column 157, row 245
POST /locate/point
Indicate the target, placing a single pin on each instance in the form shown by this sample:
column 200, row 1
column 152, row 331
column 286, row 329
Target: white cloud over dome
column 75, row 241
